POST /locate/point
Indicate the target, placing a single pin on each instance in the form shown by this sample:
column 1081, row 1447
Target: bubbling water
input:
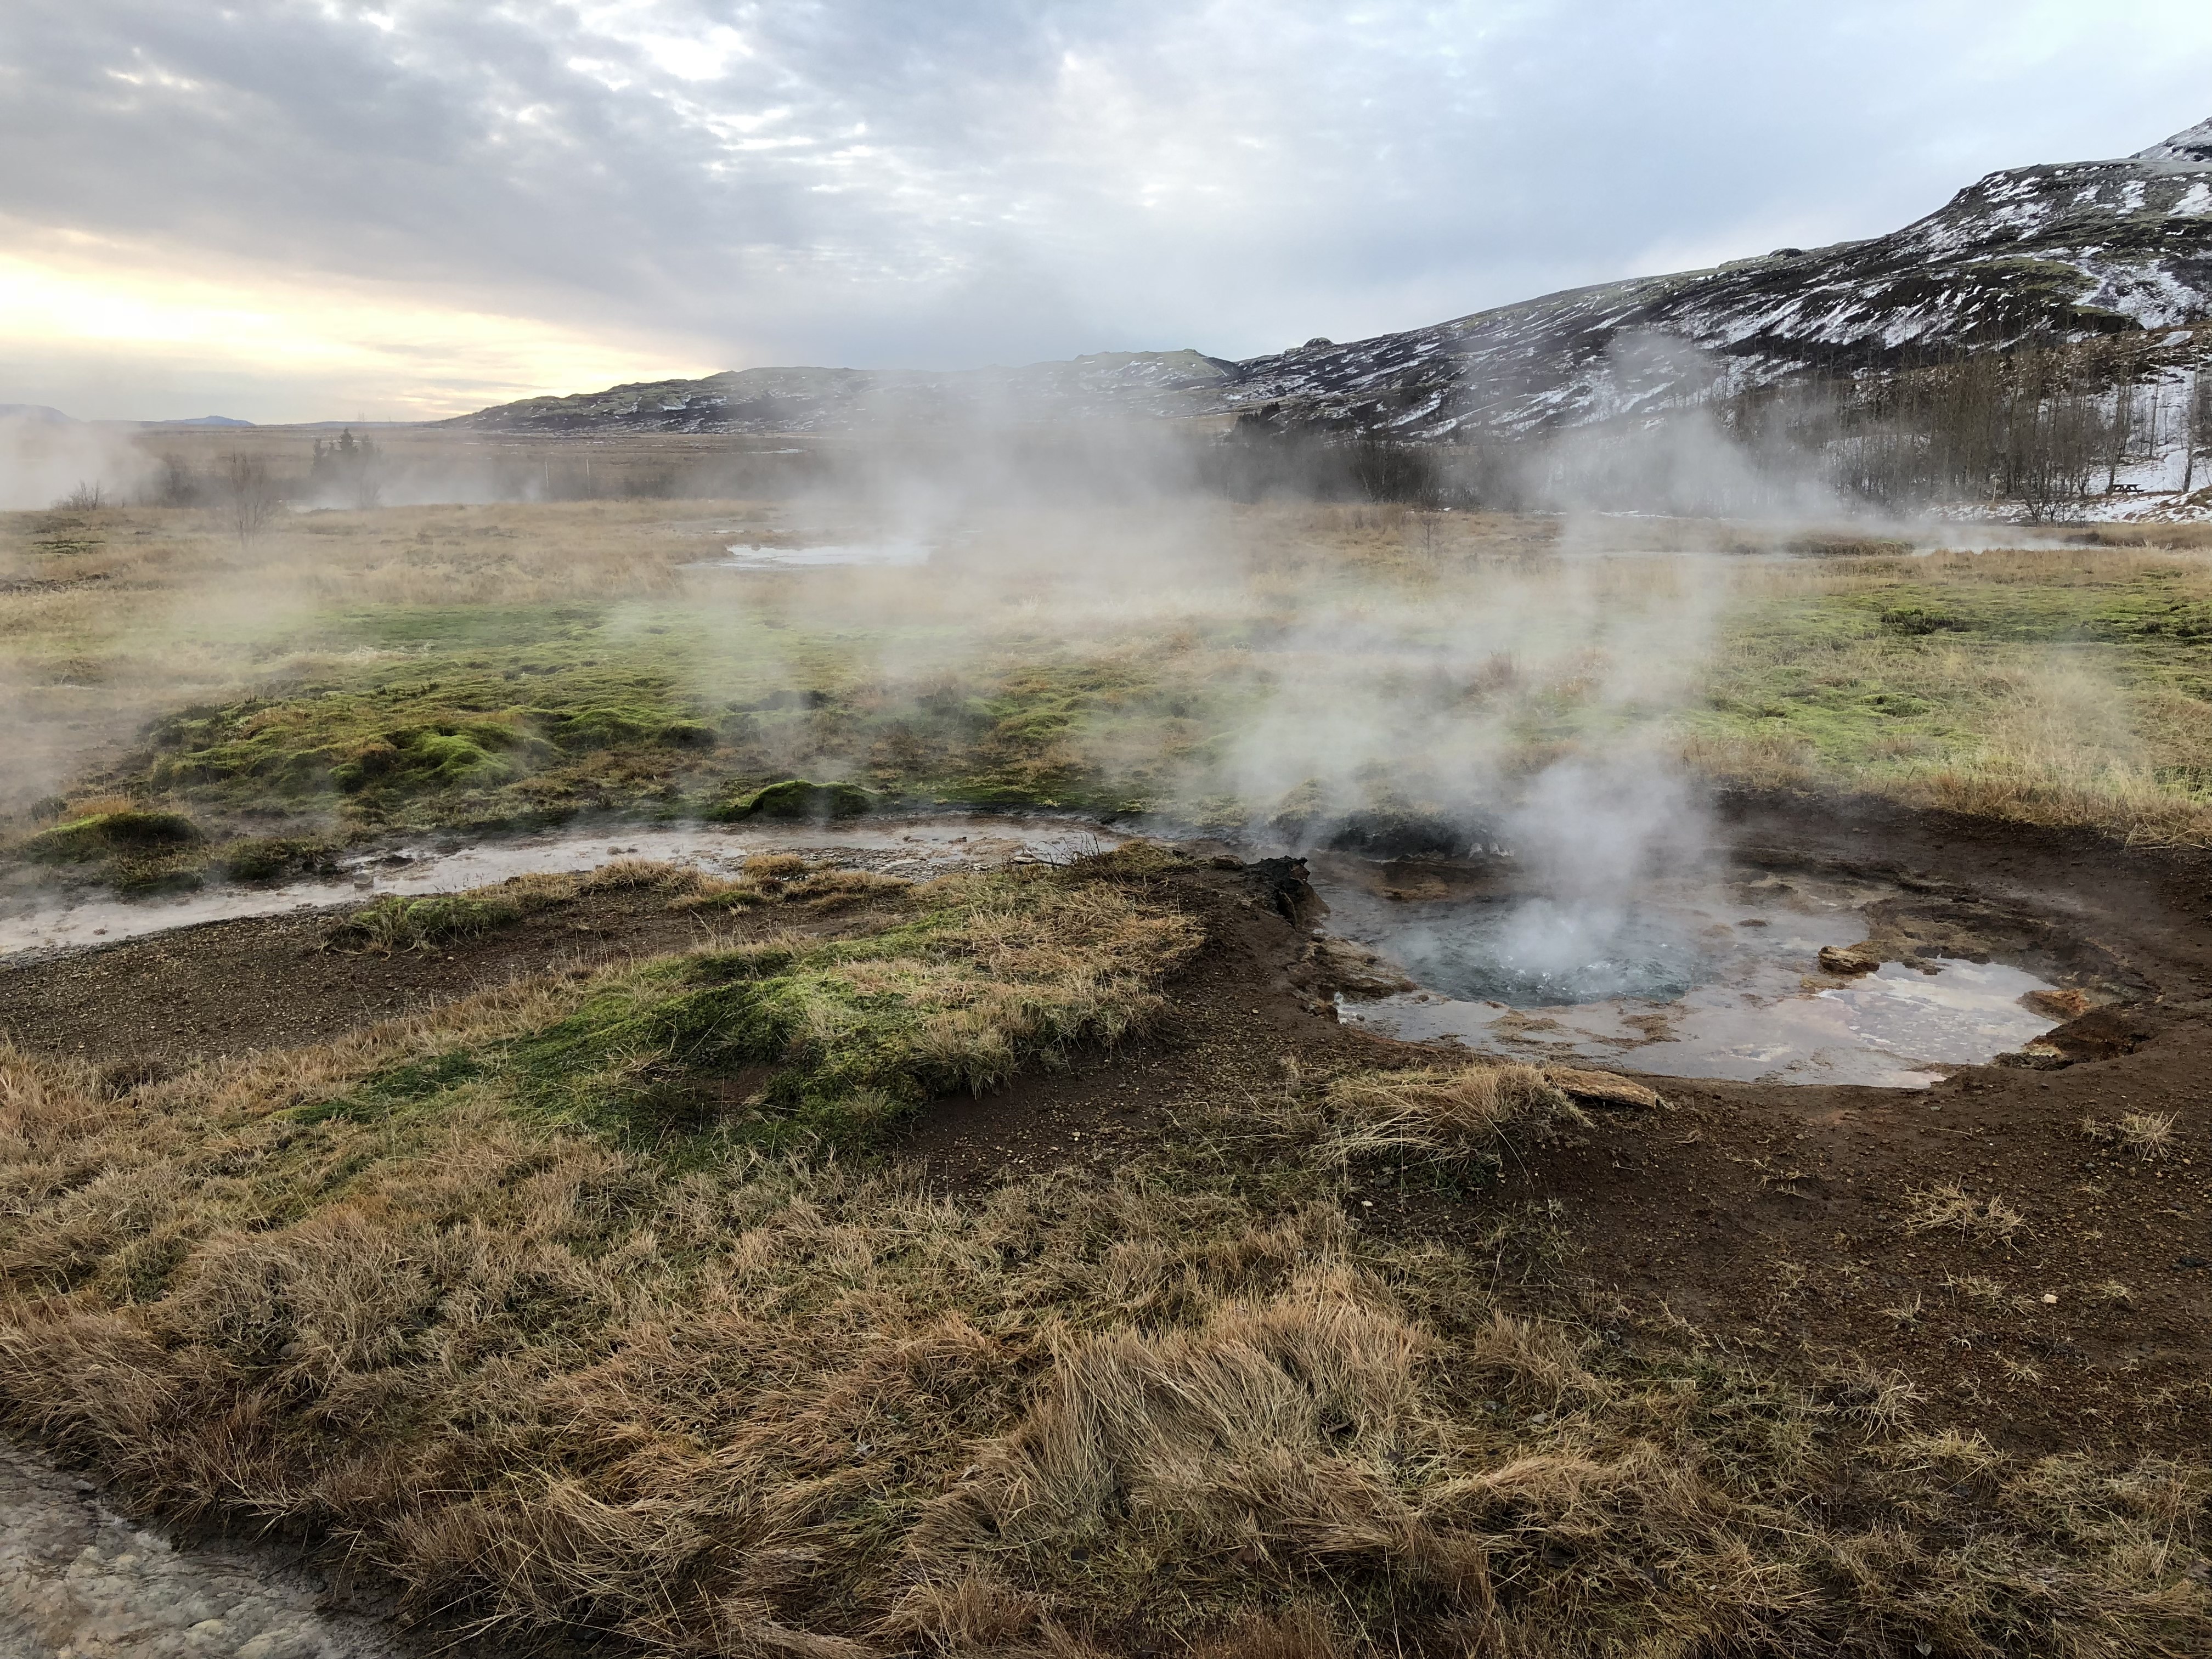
column 1540, row 953
column 1695, row 975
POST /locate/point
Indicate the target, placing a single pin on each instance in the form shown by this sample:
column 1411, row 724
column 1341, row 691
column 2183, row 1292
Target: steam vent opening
column 1753, row 974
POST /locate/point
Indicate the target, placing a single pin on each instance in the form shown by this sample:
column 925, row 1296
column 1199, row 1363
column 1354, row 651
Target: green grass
column 398, row 923
column 795, row 1042
column 378, row 1095
column 104, row 834
column 833, row 1043
column 2101, row 680
column 495, row 717
column 2035, row 684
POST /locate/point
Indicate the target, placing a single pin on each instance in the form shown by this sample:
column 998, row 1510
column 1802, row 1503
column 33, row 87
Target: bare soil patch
column 283, row 982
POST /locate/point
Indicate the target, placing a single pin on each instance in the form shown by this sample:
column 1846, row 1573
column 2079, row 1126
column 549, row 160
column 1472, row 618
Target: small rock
column 2056, row 1005
column 1356, row 971
column 1849, row 959
column 1601, row 1088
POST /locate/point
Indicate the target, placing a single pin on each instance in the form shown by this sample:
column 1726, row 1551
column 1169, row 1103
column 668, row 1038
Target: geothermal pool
column 1712, row 974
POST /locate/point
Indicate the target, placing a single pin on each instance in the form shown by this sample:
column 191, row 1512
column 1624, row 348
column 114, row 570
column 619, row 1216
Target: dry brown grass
column 1945, row 1206
column 772, row 1408
column 791, row 878
column 1444, row 1112
column 2146, row 1135
column 401, row 923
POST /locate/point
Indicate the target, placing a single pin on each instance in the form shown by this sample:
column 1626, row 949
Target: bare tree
column 2196, row 426
column 85, row 498
column 250, row 496
column 175, row 486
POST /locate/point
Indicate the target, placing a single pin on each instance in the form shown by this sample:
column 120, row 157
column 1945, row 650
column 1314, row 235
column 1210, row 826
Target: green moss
column 106, row 835
column 796, row 799
column 273, row 858
column 375, row 1097
column 833, row 1042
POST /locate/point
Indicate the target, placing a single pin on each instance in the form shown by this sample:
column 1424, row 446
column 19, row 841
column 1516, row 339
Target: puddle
column 745, row 555
column 1701, row 976
column 915, row 847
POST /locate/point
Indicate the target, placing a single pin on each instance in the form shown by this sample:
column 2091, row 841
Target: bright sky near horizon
column 301, row 209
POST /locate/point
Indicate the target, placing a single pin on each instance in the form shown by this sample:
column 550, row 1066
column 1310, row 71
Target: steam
column 44, row 461
column 1347, row 667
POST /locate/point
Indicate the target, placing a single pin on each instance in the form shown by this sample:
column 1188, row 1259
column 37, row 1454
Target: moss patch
column 835, row 1042
column 796, row 799
column 106, row 835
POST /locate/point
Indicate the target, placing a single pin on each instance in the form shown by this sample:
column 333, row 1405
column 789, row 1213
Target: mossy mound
column 797, row 800
column 106, row 835
column 833, row 1043
column 479, row 752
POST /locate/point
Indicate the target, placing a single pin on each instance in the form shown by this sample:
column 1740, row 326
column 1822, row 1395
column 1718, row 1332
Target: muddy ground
column 1768, row 1219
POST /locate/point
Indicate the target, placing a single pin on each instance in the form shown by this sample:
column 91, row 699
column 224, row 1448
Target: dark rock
column 1280, row 885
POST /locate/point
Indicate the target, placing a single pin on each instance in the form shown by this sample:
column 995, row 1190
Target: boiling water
column 1698, row 976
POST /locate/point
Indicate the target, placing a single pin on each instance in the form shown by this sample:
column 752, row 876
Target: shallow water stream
column 915, row 847
column 77, row 1580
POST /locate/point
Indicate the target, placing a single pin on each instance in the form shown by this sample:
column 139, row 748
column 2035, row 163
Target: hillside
column 2073, row 250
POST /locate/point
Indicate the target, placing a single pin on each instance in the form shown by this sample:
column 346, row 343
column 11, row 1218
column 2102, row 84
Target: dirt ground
column 1771, row 1219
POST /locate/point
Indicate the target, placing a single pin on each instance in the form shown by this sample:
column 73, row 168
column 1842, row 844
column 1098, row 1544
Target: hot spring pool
column 1713, row 975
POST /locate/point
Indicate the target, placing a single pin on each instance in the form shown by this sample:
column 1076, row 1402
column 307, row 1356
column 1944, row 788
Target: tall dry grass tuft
column 1445, row 1112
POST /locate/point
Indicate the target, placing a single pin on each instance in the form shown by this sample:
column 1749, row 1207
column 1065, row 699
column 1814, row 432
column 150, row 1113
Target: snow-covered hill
column 2071, row 250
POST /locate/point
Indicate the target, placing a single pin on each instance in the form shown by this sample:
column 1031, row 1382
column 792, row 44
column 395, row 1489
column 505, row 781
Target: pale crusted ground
column 78, row 1581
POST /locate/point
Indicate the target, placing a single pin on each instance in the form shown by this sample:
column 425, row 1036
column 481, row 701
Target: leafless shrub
column 85, row 498
column 251, row 499
column 174, row 483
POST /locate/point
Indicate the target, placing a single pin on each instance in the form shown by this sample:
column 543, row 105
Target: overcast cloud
column 302, row 208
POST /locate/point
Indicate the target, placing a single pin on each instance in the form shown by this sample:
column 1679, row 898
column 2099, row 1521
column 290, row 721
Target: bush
column 795, row 798
column 106, row 835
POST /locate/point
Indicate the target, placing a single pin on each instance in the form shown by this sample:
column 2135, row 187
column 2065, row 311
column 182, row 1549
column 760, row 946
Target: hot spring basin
column 1696, row 976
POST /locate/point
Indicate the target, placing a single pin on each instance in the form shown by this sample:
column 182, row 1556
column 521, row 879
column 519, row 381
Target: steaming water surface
column 745, row 555
column 1700, row 976
column 917, row 847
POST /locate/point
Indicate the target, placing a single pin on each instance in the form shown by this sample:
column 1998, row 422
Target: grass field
column 2071, row 686
column 415, row 668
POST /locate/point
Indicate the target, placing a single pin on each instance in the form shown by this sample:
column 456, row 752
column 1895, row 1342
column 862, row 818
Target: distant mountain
column 39, row 413
column 201, row 420
column 772, row 400
column 2065, row 252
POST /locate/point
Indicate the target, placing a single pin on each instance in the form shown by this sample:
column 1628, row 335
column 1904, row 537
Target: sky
column 307, row 209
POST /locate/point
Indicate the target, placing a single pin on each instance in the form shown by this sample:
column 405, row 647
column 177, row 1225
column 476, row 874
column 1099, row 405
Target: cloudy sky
column 286, row 210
